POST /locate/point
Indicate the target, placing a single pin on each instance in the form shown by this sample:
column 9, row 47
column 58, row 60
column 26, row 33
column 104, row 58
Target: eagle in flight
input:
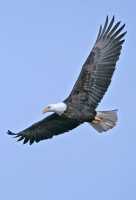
column 94, row 79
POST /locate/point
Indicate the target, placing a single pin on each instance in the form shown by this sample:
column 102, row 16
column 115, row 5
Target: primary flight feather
column 90, row 87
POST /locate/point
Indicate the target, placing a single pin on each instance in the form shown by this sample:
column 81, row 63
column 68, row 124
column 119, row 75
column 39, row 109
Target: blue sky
column 42, row 47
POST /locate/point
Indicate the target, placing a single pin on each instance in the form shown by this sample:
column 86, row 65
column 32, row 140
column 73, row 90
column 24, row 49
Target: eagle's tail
column 104, row 120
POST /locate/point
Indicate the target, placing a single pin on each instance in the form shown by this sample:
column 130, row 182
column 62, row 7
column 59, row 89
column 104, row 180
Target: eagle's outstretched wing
column 98, row 69
column 46, row 128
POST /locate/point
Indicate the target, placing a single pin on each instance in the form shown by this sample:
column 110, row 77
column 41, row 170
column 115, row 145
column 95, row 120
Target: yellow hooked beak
column 45, row 110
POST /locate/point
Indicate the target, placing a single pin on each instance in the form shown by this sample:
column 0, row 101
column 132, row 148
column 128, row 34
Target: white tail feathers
column 104, row 120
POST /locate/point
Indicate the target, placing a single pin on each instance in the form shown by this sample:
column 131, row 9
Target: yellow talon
column 96, row 120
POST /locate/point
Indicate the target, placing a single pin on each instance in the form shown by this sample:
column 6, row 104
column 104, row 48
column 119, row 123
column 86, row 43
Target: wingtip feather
column 11, row 133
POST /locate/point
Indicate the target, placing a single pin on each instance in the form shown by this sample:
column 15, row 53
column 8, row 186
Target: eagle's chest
column 79, row 112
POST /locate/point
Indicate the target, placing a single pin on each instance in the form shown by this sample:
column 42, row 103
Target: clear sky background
column 42, row 47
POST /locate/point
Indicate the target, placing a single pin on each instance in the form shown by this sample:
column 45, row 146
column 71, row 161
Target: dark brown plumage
column 98, row 69
column 46, row 128
column 87, row 92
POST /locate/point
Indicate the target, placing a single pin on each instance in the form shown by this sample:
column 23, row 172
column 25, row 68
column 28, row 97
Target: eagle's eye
column 49, row 107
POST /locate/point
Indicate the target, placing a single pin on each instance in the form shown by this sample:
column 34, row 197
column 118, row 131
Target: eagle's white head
column 58, row 108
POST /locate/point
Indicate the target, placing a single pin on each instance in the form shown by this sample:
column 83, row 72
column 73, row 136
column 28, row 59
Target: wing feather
column 99, row 67
column 45, row 129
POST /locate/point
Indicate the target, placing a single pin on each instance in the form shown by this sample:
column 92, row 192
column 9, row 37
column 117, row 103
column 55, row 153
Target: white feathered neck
column 58, row 108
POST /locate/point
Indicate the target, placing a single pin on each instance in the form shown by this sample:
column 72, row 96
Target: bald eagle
column 90, row 87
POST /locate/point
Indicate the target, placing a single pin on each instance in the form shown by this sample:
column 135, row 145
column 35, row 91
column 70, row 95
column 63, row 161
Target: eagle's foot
column 97, row 120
